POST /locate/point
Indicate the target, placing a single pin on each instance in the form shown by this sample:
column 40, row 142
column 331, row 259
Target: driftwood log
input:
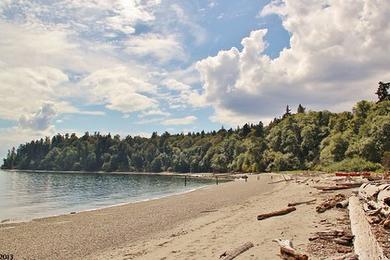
column 288, row 252
column 330, row 203
column 342, row 204
column 276, row 213
column 300, row 203
column 377, row 197
column 365, row 244
column 231, row 254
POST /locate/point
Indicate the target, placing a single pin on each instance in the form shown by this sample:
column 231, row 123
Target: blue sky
column 138, row 66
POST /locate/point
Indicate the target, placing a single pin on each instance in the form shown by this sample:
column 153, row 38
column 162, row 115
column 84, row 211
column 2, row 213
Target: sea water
column 28, row 195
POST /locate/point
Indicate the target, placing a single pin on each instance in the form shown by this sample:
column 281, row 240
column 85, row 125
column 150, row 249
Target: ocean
column 29, row 195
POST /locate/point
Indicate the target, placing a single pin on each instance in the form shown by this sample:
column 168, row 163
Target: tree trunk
column 231, row 254
column 276, row 213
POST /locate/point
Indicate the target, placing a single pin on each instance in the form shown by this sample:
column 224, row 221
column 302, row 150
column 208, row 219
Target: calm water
column 28, row 195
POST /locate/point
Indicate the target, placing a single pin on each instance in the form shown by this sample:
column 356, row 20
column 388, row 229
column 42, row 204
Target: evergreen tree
column 301, row 109
column 383, row 91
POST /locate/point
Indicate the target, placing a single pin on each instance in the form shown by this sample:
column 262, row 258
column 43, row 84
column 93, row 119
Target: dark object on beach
column 73, row 212
column 288, row 252
column 245, row 177
column 231, row 254
column 300, row 203
column 342, row 204
column 330, row 203
column 276, row 213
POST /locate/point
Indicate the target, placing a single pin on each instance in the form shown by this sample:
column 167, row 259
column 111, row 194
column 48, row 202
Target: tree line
column 305, row 140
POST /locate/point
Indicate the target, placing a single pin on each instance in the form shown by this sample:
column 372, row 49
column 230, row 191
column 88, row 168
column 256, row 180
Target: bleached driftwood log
column 365, row 244
column 231, row 254
column 377, row 196
column 288, row 252
column 276, row 213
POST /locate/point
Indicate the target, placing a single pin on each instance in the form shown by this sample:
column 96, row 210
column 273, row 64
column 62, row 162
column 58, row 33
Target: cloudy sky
column 138, row 66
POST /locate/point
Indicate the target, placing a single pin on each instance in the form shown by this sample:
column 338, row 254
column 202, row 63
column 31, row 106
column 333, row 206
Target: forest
column 305, row 140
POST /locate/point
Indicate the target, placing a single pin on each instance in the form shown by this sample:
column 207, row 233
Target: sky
column 139, row 66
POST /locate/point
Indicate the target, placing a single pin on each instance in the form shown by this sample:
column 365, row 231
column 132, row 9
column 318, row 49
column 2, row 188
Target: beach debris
column 342, row 204
column 276, row 213
column 288, row 252
column 5, row 220
column 377, row 197
column 365, row 243
column 302, row 202
column 330, row 203
column 338, row 236
column 231, row 254
column 343, row 186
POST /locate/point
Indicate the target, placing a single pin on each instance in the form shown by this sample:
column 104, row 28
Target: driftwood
column 288, row 252
column 342, row 204
column 231, row 254
column 386, row 223
column 337, row 187
column 365, row 243
column 338, row 236
column 276, row 213
column 300, row 203
column 377, row 197
column 330, row 203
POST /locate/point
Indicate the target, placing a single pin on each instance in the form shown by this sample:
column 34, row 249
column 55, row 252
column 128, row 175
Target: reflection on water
column 28, row 195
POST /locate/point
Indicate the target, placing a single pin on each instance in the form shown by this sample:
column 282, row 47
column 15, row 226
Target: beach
column 197, row 225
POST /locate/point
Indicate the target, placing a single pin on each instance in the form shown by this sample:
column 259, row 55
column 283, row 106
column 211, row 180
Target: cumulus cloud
column 337, row 56
column 188, row 120
column 40, row 120
column 120, row 89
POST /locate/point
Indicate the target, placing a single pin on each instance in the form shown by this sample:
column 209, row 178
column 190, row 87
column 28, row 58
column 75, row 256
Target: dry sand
column 196, row 225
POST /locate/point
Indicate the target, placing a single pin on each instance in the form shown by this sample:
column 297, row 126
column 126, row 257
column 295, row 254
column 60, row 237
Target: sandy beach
column 198, row 225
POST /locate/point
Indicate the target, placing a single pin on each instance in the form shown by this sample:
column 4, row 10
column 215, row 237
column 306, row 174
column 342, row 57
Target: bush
column 355, row 164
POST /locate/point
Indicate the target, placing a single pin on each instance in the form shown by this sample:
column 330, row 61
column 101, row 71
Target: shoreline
column 195, row 175
column 82, row 234
column 10, row 221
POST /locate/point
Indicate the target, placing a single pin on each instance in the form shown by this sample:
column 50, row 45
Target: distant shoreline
column 204, row 175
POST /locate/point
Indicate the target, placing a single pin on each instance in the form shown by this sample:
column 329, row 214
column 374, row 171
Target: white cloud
column 40, row 120
column 338, row 54
column 180, row 121
column 120, row 89
column 162, row 47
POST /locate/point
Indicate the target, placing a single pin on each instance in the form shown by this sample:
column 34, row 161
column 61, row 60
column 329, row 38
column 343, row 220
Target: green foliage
column 306, row 140
column 351, row 165
column 383, row 92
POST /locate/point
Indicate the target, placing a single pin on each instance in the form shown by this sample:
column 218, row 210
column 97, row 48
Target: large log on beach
column 377, row 196
column 288, row 252
column 276, row 213
column 365, row 243
column 231, row 254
